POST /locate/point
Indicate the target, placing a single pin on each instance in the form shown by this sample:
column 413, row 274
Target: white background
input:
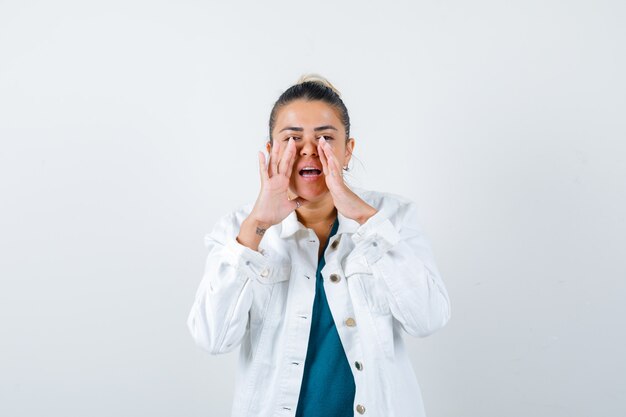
column 128, row 127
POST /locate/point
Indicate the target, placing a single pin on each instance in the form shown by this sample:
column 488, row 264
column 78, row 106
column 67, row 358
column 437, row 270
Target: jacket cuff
column 375, row 237
column 254, row 265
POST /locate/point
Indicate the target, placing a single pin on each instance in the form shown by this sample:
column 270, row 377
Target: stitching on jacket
column 231, row 312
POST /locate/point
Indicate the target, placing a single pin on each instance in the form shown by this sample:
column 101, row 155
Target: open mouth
column 310, row 172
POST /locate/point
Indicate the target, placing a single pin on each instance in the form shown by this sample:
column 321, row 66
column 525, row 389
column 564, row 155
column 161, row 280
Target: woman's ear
column 268, row 147
column 349, row 148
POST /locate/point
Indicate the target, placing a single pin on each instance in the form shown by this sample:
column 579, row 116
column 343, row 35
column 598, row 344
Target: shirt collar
column 290, row 225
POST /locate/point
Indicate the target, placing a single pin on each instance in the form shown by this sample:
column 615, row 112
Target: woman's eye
column 294, row 138
column 326, row 137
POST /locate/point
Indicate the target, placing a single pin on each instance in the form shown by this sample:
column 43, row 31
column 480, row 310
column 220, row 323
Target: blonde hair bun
column 316, row 78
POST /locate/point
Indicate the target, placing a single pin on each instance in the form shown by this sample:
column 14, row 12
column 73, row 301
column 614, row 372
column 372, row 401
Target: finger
column 336, row 166
column 320, row 151
column 274, row 160
column 330, row 158
column 292, row 159
column 286, row 158
column 262, row 168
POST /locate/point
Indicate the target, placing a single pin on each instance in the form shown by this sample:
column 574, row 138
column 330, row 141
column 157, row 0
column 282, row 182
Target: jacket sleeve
column 400, row 256
column 219, row 316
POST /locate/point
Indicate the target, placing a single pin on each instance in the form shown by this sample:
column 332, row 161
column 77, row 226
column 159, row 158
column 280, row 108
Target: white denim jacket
column 380, row 279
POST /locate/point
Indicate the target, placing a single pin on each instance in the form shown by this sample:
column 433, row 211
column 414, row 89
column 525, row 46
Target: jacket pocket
column 383, row 324
column 373, row 289
column 375, row 300
column 279, row 273
column 268, row 292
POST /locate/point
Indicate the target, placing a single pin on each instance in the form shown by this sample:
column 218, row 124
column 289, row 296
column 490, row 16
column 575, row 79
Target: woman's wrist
column 366, row 215
column 251, row 232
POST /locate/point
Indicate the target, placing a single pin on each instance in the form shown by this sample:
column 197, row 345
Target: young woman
column 316, row 280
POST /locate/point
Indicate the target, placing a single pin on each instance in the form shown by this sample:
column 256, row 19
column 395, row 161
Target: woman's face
column 306, row 122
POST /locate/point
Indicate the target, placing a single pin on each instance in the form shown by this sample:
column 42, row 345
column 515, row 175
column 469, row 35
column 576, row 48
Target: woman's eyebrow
column 299, row 129
column 327, row 127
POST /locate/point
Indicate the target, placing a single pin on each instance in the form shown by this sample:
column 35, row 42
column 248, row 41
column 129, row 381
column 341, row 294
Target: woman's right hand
column 273, row 204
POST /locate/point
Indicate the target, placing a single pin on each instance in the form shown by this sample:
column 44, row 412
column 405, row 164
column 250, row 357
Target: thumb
column 263, row 168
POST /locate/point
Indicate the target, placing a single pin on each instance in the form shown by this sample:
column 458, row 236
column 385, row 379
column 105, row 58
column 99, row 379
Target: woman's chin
column 310, row 192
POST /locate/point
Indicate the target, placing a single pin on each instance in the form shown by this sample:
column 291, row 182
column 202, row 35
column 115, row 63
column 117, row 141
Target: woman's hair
column 312, row 87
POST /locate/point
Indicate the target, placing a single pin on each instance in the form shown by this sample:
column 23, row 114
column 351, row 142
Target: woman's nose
column 309, row 147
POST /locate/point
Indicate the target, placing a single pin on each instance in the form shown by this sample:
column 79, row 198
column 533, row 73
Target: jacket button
column 350, row 322
column 358, row 365
column 334, row 244
column 334, row 277
column 265, row 273
column 360, row 409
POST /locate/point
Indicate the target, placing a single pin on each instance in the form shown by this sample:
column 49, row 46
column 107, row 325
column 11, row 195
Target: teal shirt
column 327, row 384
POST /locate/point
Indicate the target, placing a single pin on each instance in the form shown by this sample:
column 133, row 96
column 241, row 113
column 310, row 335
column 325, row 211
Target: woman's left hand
column 347, row 202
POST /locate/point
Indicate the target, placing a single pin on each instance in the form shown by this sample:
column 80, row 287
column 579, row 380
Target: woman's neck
column 318, row 213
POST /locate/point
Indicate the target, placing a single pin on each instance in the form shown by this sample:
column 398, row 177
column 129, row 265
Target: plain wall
column 128, row 127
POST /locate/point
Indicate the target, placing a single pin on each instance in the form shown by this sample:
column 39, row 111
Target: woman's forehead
column 308, row 115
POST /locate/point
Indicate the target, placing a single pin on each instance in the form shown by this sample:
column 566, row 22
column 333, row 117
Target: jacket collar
column 290, row 225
